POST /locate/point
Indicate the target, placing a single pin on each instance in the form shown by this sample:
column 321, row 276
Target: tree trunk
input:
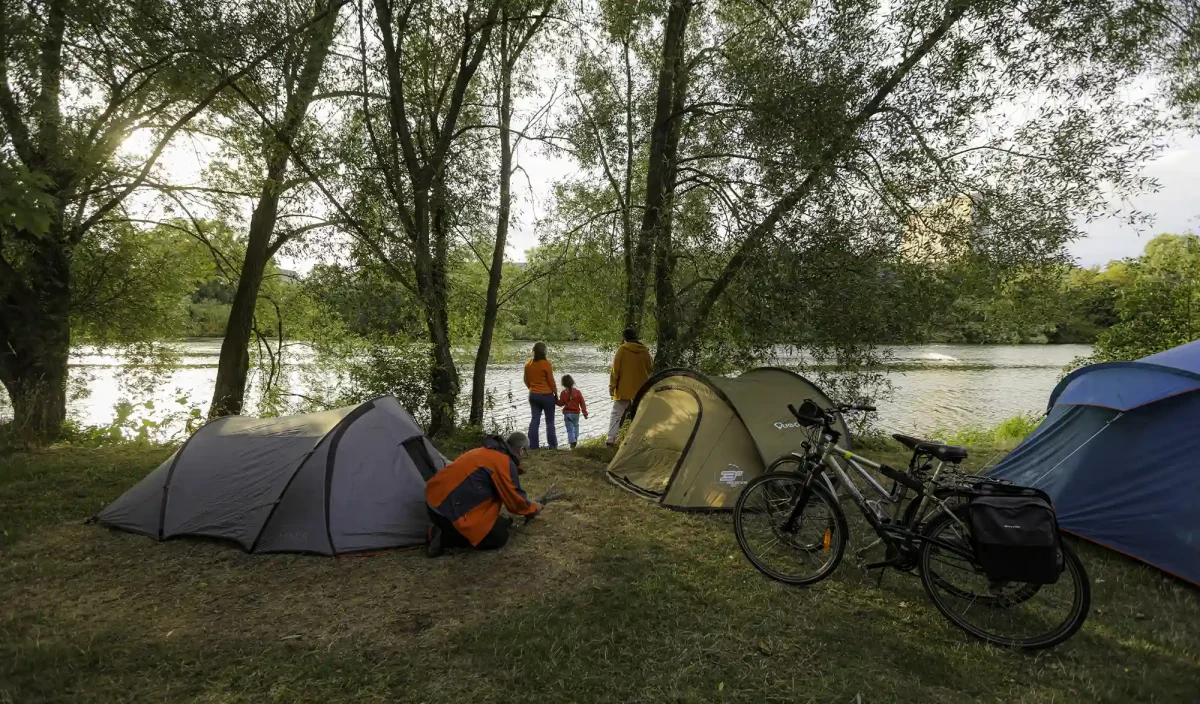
column 491, row 307
column 443, row 374
column 35, row 342
column 229, row 393
column 667, row 315
column 627, row 195
column 659, row 178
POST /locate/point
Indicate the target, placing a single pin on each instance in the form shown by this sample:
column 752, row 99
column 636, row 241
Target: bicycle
column 930, row 535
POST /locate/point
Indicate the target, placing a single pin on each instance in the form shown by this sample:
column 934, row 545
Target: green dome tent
column 695, row 440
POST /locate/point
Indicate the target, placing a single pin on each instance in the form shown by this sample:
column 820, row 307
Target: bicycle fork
column 789, row 526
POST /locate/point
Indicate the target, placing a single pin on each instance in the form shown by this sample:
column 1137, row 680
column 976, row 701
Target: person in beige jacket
column 630, row 369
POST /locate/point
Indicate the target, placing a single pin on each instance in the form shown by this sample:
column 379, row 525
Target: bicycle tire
column 1073, row 570
column 1027, row 591
column 837, row 537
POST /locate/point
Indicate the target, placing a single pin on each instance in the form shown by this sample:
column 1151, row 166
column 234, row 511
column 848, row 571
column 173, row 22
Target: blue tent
column 1119, row 453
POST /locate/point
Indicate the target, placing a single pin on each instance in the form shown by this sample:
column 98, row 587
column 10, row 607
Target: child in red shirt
column 571, row 400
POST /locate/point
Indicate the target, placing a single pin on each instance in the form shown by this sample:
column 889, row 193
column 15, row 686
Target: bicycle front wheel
column 1005, row 614
column 806, row 551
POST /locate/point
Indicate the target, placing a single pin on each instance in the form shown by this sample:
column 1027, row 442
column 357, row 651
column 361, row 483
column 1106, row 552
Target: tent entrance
column 666, row 425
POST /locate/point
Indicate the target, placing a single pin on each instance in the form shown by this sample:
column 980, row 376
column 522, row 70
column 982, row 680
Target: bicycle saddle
column 945, row 453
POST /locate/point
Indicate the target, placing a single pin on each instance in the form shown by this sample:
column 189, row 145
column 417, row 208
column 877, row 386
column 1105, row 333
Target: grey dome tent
column 695, row 441
column 341, row 481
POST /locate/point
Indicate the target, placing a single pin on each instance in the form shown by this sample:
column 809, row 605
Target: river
column 934, row 386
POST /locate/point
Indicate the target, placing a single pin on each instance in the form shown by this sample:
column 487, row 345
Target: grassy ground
column 608, row 599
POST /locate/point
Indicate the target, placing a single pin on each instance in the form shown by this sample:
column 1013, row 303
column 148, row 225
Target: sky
column 1175, row 206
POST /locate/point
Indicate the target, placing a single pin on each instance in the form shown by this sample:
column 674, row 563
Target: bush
column 208, row 319
column 1005, row 435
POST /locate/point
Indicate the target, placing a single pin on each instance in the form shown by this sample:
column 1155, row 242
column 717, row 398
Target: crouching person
column 465, row 496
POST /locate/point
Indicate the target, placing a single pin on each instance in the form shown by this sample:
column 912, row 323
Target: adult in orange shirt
column 539, row 379
column 464, row 497
column 630, row 369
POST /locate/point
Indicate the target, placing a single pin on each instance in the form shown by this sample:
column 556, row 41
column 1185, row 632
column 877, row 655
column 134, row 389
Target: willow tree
column 281, row 92
column 519, row 25
column 77, row 79
column 418, row 67
column 786, row 125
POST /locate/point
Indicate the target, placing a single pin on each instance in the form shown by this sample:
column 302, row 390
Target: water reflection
column 935, row 385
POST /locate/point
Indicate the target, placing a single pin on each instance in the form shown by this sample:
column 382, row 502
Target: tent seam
column 1083, row 371
column 303, row 461
column 338, row 432
column 688, row 445
column 162, row 511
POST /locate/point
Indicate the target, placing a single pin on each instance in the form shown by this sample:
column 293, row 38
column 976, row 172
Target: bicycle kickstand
column 860, row 558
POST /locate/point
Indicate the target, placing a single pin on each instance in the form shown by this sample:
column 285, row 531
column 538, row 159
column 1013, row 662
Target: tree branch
column 212, row 95
column 955, row 10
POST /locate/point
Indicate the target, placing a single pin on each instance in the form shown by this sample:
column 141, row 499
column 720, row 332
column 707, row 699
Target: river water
column 933, row 386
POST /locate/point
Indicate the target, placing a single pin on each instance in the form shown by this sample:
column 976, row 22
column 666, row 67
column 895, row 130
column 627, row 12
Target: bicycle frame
column 904, row 538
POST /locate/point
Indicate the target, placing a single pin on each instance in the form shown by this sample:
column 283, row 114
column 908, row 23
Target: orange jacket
column 572, row 401
column 539, row 377
column 469, row 491
column 630, row 369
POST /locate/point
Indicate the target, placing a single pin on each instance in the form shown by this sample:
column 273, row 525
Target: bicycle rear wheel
column 807, row 552
column 1005, row 614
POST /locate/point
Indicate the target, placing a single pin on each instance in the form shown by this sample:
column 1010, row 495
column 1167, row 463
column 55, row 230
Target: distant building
column 943, row 231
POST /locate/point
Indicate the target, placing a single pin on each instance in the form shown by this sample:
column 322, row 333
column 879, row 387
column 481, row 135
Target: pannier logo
column 782, row 425
column 732, row 476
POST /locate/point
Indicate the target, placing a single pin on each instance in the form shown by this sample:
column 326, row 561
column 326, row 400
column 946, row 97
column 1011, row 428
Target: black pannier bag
column 1015, row 534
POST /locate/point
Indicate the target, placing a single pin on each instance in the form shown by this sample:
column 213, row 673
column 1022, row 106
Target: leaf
column 721, row 687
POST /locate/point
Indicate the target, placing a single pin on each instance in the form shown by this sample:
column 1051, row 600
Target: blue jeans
column 542, row 404
column 571, row 420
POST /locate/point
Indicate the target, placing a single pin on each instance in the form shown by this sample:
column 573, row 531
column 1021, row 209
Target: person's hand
column 531, row 516
column 585, row 416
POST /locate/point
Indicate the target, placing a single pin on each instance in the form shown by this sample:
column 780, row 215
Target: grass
column 608, row 598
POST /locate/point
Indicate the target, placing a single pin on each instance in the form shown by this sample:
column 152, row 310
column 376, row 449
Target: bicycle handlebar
column 824, row 415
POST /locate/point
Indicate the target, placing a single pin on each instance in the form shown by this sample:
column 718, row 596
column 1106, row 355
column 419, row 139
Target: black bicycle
column 792, row 528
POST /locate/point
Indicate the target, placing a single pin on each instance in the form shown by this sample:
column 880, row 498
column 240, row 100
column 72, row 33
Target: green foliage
column 132, row 285
column 24, row 203
column 1157, row 301
column 1006, row 435
column 352, row 369
column 132, row 424
column 207, row 318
